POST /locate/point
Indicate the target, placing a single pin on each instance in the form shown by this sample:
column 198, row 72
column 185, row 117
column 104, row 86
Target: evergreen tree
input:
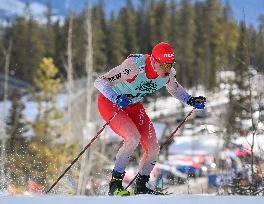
column 185, row 41
column 239, row 103
column 127, row 19
column 259, row 52
column 60, row 47
column 48, row 126
column 17, row 145
column 115, row 42
column 47, row 83
column 172, row 32
column 242, row 63
column 48, row 32
column 199, row 44
column 141, row 22
column 150, row 26
column 252, row 47
column 28, row 47
column 1, row 55
column 231, row 118
column 230, row 34
column 18, row 31
column 78, row 45
column 242, row 58
column 214, row 41
column 16, row 125
column 99, row 37
column 162, row 21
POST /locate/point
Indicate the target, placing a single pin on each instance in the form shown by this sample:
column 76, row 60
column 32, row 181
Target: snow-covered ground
column 30, row 111
column 142, row 199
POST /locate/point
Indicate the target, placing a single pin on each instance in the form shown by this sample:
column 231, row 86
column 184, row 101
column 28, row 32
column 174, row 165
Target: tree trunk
column 3, row 135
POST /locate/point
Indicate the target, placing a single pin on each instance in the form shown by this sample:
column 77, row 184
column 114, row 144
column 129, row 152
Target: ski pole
column 86, row 147
column 167, row 141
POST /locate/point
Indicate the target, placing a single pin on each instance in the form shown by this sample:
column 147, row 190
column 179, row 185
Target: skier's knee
column 133, row 142
column 154, row 151
column 155, row 148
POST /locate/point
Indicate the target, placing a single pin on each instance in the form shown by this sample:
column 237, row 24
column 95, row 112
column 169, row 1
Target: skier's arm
column 123, row 72
column 175, row 89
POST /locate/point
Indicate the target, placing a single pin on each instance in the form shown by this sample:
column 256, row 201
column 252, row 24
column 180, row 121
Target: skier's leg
column 151, row 149
column 148, row 138
column 150, row 146
column 124, row 126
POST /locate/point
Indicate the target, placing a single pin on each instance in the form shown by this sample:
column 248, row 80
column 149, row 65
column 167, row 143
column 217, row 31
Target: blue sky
column 252, row 8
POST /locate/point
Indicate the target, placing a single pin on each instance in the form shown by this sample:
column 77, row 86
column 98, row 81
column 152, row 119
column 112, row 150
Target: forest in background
column 204, row 34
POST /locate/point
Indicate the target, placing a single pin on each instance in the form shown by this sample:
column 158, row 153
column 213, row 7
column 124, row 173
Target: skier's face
column 161, row 69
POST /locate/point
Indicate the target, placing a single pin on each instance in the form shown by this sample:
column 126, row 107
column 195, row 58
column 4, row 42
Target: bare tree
column 88, row 127
column 69, row 67
column 254, row 124
column 7, row 54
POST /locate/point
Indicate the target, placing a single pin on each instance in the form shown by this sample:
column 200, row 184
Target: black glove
column 197, row 102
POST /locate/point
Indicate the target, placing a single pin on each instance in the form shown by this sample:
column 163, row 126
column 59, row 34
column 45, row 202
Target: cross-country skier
column 123, row 87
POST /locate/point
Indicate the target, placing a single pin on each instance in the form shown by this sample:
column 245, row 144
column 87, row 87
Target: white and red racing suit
column 136, row 78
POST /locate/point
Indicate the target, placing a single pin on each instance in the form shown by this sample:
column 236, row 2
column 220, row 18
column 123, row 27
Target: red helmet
column 163, row 53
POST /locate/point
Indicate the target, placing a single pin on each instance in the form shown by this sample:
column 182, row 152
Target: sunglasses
column 165, row 65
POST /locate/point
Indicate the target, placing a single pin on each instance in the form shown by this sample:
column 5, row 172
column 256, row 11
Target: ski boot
column 141, row 188
column 115, row 186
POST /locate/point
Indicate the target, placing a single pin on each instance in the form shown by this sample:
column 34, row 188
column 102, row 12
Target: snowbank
column 142, row 199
